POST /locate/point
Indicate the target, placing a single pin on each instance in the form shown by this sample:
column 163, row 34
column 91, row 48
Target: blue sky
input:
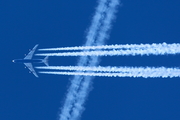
column 64, row 23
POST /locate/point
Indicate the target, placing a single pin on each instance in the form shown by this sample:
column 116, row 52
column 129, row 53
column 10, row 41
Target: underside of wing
column 31, row 53
column 30, row 67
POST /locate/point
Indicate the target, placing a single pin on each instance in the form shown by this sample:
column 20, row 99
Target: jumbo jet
column 28, row 60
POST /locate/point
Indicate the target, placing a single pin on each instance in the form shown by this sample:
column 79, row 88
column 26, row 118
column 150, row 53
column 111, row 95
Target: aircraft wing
column 30, row 67
column 31, row 53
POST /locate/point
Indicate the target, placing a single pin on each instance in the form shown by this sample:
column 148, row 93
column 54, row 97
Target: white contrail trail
column 160, row 50
column 111, row 69
column 79, row 87
column 124, row 47
column 128, row 72
column 71, row 98
column 93, row 61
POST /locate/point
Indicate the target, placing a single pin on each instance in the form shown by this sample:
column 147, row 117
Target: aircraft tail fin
column 45, row 60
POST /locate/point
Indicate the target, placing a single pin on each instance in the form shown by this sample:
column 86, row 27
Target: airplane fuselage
column 28, row 60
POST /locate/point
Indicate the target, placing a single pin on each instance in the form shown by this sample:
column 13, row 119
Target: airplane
column 28, row 61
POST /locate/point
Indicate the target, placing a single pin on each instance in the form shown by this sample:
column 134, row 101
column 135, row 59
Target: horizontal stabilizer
column 45, row 60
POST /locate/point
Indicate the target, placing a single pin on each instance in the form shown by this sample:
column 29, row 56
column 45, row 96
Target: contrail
column 86, row 81
column 124, row 47
column 97, row 33
column 71, row 97
column 149, row 72
column 110, row 69
column 93, row 61
column 158, row 50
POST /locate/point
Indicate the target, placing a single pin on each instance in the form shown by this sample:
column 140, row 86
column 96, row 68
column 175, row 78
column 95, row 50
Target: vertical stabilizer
column 45, row 60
